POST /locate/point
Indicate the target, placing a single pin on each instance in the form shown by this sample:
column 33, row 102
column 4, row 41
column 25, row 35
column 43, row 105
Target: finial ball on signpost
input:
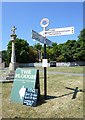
column 44, row 22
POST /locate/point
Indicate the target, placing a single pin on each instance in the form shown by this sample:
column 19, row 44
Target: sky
column 26, row 16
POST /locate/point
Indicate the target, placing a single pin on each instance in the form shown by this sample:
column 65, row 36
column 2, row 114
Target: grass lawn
column 77, row 69
column 59, row 103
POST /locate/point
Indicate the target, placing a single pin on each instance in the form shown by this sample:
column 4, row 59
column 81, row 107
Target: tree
column 60, row 57
column 5, row 57
column 80, row 50
column 49, row 52
column 72, row 50
column 22, row 51
column 38, row 46
column 32, row 55
column 67, row 51
column 39, row 50
column 52, row 52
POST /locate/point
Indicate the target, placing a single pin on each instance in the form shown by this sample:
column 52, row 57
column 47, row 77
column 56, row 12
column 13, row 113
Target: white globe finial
column 42, row 22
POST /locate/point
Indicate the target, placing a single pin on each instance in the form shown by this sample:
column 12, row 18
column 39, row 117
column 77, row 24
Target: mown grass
column 77, row 69
column 59, row 103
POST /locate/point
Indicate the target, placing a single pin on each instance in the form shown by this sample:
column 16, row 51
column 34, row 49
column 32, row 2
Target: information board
column 30, row 97
column 24, row 78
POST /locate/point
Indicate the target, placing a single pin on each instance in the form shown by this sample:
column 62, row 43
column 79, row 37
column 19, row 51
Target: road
column 4, row 73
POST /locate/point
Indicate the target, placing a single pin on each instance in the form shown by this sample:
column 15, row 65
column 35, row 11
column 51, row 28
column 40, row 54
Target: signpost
column 24, row 79
column 41, row 37
column 44, row 40
column 58, row 31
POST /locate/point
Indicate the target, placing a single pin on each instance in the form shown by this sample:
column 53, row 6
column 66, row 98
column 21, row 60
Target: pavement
column 3, row 74
column 5, row 71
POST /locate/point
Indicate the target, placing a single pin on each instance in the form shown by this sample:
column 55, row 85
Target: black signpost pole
column 45, row 81
column 44, row 23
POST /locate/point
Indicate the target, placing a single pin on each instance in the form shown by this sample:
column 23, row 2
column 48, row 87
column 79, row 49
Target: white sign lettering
column 58, row 31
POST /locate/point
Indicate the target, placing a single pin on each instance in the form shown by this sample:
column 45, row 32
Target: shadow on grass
column 41, row 100
column 75, row 91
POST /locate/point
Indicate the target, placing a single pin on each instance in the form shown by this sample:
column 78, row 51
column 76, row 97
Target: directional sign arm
column 40, row 38
column 58, row 31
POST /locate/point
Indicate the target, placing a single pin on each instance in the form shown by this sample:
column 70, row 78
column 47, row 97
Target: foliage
column 24, row 53
column 4, row 57
column 80, row 52
column 38, row 46
column 70, row 51
column 67, row 51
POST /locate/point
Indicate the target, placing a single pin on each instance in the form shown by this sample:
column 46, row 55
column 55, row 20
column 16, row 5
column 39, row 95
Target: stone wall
column 57, row 64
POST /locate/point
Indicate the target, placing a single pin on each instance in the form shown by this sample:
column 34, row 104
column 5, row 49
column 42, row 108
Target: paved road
column 5, row 72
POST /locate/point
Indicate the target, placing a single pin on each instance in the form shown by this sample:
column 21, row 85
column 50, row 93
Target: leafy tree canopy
column 72, row 50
